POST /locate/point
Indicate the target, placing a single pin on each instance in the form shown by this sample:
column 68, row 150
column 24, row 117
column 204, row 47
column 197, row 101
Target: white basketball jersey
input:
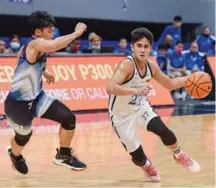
column 127, row 104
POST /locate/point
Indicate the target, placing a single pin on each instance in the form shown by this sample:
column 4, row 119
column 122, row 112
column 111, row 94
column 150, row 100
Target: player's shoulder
column 128, row 62
column 37, row 40
column 152, row 63
column 126, row 65
column 153, row 66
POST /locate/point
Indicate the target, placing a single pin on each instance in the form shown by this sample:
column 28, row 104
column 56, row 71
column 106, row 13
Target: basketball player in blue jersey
column 27, row 100
column 129, row 107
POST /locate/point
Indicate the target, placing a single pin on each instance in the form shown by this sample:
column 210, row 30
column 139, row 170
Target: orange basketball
column 198, row 85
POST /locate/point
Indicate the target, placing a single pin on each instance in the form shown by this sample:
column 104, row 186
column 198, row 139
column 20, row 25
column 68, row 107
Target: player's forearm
column 178, row 82
column 46, row 73
column 62, row 42
column 119, row 90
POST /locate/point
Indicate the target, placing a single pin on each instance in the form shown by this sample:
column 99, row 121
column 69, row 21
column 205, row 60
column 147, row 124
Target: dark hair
column 177, row 19
column 76, row 39
column 179, row 42
column 14, row 36
column 141, row 33
column 40, row 20
column 122, row 38
column 162, row 47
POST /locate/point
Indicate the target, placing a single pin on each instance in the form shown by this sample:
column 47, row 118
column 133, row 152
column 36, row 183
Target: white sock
column 177, row 151
column 147, row 163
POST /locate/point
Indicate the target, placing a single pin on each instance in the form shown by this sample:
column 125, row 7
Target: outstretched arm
column 43, row 45
column 164, row 80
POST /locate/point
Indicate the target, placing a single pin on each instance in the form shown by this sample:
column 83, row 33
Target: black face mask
column 206, row 35
column 168, row 46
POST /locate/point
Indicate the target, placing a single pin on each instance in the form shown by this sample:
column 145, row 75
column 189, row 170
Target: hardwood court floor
column 108, row 163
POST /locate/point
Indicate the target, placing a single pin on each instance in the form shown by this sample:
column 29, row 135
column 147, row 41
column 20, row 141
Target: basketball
column 198, row 85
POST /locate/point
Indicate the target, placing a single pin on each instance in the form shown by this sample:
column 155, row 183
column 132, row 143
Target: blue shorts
column 21, row 113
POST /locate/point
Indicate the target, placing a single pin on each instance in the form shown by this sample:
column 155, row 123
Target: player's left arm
column 19, row 53
column 166, row 81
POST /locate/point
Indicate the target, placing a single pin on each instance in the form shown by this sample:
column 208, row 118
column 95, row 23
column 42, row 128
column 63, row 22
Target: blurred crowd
column 173, row 56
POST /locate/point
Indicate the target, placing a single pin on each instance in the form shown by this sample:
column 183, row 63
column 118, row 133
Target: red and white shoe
column 187, row 162
column 151, row 173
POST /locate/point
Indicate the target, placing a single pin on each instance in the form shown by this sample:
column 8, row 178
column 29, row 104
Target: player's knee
column 138, row 157
column 157, row 126
column 169, row 139
column 22, row 140
column 69, row 122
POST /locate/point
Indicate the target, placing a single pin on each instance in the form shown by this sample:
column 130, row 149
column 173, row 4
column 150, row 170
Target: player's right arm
column 122, row 73
column 43, row 45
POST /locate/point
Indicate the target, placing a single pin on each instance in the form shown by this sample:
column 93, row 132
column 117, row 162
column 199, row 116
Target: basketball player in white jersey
column 129, row 107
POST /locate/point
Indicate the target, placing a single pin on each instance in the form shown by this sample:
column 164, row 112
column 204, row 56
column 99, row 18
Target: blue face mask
column 15, row 45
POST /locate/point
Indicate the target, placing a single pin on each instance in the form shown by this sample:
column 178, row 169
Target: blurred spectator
column 14, row 44
column 91, row 35
column 177, row 68
column 194, row 59
column 74, row 47
column 168, row 42
column 122, row 47
column 153, row 52
column 212, row 51
column 56, row 32
column 177, row 61
column 95, row 44
column 174, row 30
column 2, row 47
column 205, row 40
column 162, row 58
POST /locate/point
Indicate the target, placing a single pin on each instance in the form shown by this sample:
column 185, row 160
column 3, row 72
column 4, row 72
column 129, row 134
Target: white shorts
column 125, row 126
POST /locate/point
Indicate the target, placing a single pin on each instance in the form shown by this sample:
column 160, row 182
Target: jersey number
column 136, row 99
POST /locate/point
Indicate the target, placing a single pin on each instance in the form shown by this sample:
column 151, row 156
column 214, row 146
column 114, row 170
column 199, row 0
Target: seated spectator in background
column 168, row 42
column 177, row 61
column 174, row 30
column 56, row 32
column 205, row 40
column 91, row 35
column 95, row 42
column 162, row 58
column 212, row 51
column 194, row 60
column 122, row 47
column 74, row 47
column 2, row 47
column 176, row 68
column 14, row 44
